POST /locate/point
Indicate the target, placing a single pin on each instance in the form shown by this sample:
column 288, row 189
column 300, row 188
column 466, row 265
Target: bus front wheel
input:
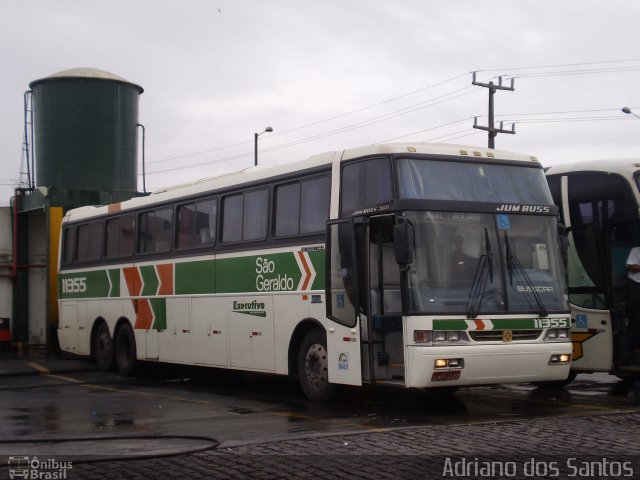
column 313, row 367
column 103, row 348
column 125, row 351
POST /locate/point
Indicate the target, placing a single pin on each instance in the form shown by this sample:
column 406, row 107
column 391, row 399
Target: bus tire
column 313, row 367
column 125, row 350
column 103, row 348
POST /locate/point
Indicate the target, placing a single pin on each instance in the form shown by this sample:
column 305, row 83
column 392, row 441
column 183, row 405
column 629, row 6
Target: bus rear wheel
column 313, row 367
column 103, row 348
column 125, row 351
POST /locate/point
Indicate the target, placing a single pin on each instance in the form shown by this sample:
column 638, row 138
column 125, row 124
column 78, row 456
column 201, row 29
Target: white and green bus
column 411, row 265
column 600, row 205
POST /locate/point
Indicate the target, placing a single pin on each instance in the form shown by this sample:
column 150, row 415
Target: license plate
column 444, row 376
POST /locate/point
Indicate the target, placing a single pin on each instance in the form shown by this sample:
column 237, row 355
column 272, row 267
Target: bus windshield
column 480, row 263
column 472, row 182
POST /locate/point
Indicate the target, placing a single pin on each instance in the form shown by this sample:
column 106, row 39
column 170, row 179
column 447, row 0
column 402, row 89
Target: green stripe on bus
column 514, row 324
column 159, row 309
column 93, row 284
column 195, row 277
column 317, row 259
column 114, row 278
column 502, row 324
column 275, row 272
column 449, row 325
column 266, row 273
column 149, row 280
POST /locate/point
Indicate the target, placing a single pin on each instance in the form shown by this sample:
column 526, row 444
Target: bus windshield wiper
column 484, row 272
column 513, row 263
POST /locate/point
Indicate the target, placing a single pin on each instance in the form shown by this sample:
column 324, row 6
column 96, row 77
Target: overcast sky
column 334, row 74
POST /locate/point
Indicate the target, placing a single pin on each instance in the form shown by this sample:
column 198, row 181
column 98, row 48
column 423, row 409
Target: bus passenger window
column 303, row 207
column 256, row 208
column 245, row 216
column 69, row 242
column 287, row 210
column 197, row 224
column 232, row 218
column 314, row 204
column 155, row 231
column 119, row 236
column 89, row 242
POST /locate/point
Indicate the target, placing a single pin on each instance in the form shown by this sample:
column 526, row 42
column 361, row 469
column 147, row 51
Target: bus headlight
column 557, row 335
column 440, row 336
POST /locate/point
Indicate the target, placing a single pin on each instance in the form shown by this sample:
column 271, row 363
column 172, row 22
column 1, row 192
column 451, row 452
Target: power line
column 455, row 77
column 403, row 111
column 318, row 122
column 571, row 119
column 461, row 136
column 425, row 130
column 575, row 72
column 365, row 123
column 563, row 112
column 441, row 137
column 562, row 65
column 371, row 121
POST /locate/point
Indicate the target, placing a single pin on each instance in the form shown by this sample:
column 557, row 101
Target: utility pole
column 491, row 129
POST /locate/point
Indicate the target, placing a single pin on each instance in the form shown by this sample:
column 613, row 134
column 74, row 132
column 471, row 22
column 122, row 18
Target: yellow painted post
column 55, row 221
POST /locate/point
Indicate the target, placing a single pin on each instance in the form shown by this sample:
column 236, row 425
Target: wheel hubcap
column 316, row 366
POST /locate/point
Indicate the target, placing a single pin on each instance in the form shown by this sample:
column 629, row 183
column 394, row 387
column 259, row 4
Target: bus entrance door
column 343, row 304
column 591, row 331
column 382, row 326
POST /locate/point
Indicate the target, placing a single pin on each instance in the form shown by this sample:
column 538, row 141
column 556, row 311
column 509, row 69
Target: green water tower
column 85, row 128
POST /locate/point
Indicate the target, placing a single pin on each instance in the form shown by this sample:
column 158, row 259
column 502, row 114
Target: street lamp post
column 628, row 111
column 255, row 144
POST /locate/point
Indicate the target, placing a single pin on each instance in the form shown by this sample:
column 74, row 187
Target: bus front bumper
column 486, row 364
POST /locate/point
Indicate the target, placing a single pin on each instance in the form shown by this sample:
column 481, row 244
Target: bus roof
column 257, row 173
column 622, row 166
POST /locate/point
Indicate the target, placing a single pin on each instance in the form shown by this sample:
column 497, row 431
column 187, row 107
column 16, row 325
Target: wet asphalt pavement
column 225, row 425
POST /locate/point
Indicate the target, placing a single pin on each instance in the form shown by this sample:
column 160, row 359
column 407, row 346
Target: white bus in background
column 411, row 265
column 599, row 205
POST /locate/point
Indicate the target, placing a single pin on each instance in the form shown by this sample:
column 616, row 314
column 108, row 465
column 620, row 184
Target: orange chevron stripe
column 479, row 324
column 307, row 270
column 165, row 272
column 132, row 277
column 144, row 317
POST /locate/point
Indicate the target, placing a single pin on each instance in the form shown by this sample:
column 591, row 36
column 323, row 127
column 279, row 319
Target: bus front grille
column 498, row 335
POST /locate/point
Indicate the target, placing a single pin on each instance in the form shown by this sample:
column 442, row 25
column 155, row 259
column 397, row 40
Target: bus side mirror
column 403, row 244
